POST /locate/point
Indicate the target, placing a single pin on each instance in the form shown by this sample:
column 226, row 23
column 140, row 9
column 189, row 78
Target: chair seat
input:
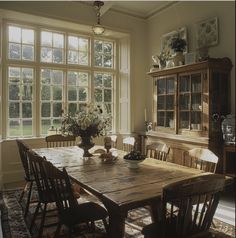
column 84, row 212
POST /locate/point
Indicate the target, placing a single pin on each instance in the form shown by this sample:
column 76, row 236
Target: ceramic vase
column 86, row 144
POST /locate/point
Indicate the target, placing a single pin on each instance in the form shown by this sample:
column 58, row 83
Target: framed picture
column 166, row 39
column 190, row 58
column 207, row 33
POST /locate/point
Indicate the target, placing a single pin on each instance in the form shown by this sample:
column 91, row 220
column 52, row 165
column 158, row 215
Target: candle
column 145, row 114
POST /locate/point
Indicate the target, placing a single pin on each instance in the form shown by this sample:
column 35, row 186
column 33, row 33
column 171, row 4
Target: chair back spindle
column 60, row 140
column 158, row 151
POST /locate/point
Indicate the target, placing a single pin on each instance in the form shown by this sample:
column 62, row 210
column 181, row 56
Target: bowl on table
column 133, row 159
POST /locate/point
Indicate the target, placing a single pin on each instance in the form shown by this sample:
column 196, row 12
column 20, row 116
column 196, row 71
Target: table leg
column 116, row 225
column 155, row 211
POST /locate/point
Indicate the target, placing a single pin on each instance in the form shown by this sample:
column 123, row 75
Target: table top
column 113, row 182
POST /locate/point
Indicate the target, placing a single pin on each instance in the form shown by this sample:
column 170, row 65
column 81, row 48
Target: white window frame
column 37, row 64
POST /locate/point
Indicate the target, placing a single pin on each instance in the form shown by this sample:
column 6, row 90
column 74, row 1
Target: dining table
column 117, row 186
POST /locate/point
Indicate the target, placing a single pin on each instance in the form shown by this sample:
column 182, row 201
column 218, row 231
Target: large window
column 49, row 72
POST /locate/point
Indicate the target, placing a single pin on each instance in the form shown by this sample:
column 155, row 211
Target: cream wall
column 187, row 14
column 144, row 41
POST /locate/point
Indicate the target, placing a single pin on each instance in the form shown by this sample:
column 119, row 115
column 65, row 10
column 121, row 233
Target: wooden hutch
column 188, row 104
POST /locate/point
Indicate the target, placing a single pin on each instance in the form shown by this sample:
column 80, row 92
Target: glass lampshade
column 98, row 29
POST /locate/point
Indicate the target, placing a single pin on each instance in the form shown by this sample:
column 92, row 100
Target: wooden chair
column 128, row 144
column 60, row 140
column 70, row 211
column 158, row 151
column 198, row 198
column 45, row 192
column 29, row 178
column 113, row 140
column 200, row 158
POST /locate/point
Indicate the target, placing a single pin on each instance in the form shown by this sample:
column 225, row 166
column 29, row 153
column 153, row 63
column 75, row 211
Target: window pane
column 27, row 92
column 83, row 79
column 27, row 36
column 83, row 58
column 45, row 125
column 46, row 55
column 107, row 95
column 73, row 43
column 72, row 94
column 73, row 57
column 46, row 38
column 57, row 77
column 108, row 48
column 14, row 51
column 108, row 61
column 27, row 52
column 45, row 93
column 57, row 56
column 14, row 75
column 83, row 94
column 98, row 95
column 83, row 44
column 98, row 46
column 98, row 80
column 14, row 34
column 26, row 110
column 45, row 76
column 58, row 40
column 27, row 127
column 45, row 110
column 57, row 108
column 108, row 81
column 72, row 108
column 14, row 128
column 14, row 92
column 14, row 110
column 27, row 75
column 98, row 60
column 72, row 76
column 57, row 93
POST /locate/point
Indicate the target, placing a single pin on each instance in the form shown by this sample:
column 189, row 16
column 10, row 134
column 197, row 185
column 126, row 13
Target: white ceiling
column 141, row 9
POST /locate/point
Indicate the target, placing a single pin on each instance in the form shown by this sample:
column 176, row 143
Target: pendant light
column 98, row 29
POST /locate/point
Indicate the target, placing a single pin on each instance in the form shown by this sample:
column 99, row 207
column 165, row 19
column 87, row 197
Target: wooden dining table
column 119, row 187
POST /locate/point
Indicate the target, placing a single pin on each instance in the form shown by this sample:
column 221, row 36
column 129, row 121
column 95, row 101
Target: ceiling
column 140, row 9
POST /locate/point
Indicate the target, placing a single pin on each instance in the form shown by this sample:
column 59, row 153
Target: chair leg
column 23, row 192
column 105, row 225
column 42, row 220
column 35, row 215
column 28, row 199
column 57, row 232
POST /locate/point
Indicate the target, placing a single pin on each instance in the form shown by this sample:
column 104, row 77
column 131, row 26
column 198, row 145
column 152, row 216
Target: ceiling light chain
column 98, row 29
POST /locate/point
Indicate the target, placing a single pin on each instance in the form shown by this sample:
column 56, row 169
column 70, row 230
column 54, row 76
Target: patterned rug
column 14, row 225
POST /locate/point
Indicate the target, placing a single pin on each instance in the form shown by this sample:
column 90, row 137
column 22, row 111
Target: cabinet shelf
column 187, row 98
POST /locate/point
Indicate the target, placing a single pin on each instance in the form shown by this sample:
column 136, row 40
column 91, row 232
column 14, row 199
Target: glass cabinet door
column 165, row 102
column 190, row 101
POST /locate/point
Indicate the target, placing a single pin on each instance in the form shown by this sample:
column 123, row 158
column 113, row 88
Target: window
column 50, row 72
column 78, row 50
column 20, row 101
column 20, row 43
column 52, row 47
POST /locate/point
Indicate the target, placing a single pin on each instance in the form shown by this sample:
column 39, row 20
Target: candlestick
column 145, row 114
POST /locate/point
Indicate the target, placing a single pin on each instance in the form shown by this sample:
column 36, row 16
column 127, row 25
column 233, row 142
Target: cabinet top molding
column 220, row 63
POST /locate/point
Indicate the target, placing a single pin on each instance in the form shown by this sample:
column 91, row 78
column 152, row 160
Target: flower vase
column 178, row 59
column 86, row 144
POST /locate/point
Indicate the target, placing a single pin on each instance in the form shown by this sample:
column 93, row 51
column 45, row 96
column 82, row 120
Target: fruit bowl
column 133, row 159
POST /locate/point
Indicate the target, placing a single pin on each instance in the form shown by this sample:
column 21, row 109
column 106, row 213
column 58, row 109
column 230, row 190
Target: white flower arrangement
column 91, row 122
